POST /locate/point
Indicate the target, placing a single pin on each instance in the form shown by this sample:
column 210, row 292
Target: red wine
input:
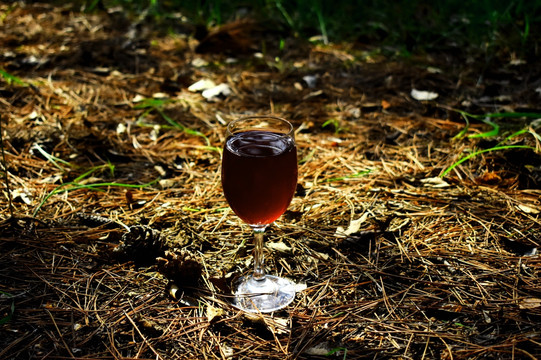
column 259, row 175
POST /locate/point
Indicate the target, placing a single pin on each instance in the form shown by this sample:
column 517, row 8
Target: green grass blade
column 12, row 79
column 182, row 127
column 322, row 26
column 486, row 119
column 494, row 132
column 526, row 33
column 335, row 350
column 92, row 170
column 285, row 14
column 53, row 159
column 213, row 148
column 172, row 122
column 151, row 103
column 308, row 157
column 157, row 104
column 360, row 173
column 71, row 186
column 515, row 134
column 463, row 132
column 334, row 123
column 500, row 115
column 509, row 115
column 55, row 191
column 91, row 5
column 475, row 153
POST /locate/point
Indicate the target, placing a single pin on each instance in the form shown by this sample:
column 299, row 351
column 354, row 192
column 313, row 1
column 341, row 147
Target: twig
column 141, row 335
column 59, row 333
column 5, row 168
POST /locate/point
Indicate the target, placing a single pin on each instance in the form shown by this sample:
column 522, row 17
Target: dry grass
column 396, row 263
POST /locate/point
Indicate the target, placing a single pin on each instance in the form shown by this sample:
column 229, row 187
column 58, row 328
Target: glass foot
column 269, row 294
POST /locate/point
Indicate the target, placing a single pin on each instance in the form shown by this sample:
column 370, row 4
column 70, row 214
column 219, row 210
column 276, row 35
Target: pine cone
column 180, row 266
column 141, row 244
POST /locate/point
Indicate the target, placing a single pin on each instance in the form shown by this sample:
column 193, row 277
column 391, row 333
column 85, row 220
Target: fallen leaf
column 319, row 255
column 138, row 98
column 198, row 62
column 489, row 177
column 279, row 325
column 121, row 128
column 235, row 37
column 354, row 226
column 422, row 95
column 310, row 80
column 202, row 85
column 434, row 70
column 279, row 246
column 213, row 94
column 167, row 183
column 435, row 182
column 227, row 351
column 318, row 350
column 214, row 313
column 529, row 303
column 159, row 95
column 21, row 195
column 528, row 209
column 313, row 94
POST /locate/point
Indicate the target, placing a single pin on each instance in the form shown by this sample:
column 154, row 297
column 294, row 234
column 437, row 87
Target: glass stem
column 259, row 258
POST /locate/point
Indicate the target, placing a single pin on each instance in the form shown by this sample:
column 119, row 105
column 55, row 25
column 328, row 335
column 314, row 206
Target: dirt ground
column 117, row 243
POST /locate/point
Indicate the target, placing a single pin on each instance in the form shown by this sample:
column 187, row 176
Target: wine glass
column 259, row 178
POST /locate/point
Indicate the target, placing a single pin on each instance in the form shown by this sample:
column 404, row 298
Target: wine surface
column 259, row 175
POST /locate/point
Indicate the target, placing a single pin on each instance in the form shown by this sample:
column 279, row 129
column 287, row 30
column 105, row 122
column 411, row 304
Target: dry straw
column 396, row 260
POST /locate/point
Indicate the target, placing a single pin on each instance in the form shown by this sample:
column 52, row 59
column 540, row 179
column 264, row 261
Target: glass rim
column 289, row 131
